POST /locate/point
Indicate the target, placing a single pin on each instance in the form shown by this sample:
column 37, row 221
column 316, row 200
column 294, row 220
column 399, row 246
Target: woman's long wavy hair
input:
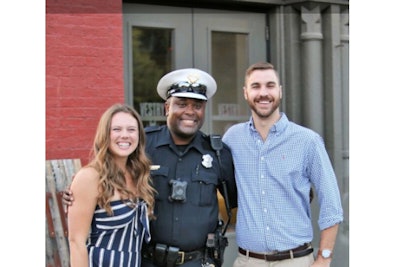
column 111, row 176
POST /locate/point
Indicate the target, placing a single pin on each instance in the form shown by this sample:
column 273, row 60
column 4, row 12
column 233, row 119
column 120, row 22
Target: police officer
column 186, row 173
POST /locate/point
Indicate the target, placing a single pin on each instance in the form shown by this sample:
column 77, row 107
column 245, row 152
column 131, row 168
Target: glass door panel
column 229, row 61
column 152, row 58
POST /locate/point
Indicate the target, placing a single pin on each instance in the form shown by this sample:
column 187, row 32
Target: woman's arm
column 85, row 188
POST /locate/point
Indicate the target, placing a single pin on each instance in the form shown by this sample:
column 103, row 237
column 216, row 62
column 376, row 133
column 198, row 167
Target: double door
column 158, row 39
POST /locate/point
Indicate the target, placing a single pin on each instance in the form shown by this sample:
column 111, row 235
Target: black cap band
column 183, row 87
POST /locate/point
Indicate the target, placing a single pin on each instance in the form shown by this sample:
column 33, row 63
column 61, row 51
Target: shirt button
column 179, row 159
column 176, row 219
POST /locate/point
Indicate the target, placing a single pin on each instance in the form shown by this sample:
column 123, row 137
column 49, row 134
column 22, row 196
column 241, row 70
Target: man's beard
column 262, row 113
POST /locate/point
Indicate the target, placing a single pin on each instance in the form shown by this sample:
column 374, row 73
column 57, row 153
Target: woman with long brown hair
column 113, row 195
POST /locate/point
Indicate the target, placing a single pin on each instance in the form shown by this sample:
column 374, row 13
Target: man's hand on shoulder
column 67, row 199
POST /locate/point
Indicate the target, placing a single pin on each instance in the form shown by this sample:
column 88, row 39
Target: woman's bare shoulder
column 86, row 176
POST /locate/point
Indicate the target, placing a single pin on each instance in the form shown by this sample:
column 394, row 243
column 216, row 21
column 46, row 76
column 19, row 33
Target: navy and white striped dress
column 117, row 240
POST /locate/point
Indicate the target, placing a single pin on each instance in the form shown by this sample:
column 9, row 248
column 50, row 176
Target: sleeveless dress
column 117, row 240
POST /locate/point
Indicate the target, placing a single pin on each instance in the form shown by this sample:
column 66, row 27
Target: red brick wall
column 84, row 72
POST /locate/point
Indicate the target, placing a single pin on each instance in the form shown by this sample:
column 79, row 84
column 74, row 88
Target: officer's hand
column 67, row 197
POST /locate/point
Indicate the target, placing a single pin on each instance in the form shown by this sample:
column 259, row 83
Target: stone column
column 312, row 68
column 344, row 19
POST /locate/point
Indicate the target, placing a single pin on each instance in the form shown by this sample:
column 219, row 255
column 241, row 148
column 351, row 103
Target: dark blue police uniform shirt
column 186, row 224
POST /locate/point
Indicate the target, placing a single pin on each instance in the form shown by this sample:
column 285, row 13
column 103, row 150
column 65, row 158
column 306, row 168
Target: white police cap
column 189, row 83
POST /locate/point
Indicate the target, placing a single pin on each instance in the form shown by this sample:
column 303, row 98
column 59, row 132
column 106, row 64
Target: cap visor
column 190, row 95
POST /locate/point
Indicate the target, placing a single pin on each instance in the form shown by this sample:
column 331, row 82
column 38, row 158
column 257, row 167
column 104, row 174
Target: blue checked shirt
column 273, row 181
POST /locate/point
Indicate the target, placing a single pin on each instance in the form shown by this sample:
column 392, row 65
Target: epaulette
column 205, row 136
column 151, row 129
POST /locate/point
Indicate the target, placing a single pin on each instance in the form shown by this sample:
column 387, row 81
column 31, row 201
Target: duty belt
column 163, row 255
column 300, row 251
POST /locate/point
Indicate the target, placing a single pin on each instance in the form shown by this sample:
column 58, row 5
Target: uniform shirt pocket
column 160, row 182
column 203, row 189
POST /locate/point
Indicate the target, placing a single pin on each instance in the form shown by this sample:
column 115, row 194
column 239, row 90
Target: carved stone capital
column 311, row 27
